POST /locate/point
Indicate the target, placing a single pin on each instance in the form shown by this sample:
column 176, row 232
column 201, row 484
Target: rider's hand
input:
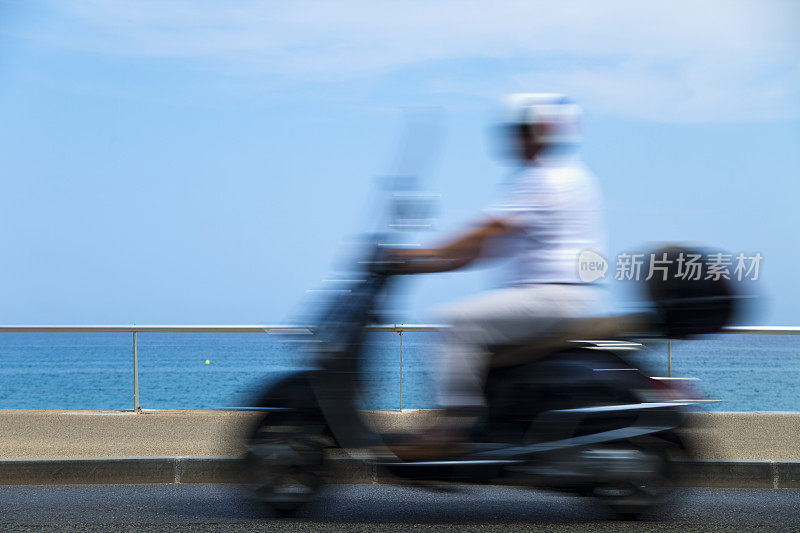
column 395, row 261
column 389, row 262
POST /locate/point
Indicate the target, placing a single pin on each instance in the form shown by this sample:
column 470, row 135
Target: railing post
column 401, row 369
column 136, row 407
column 669, row 358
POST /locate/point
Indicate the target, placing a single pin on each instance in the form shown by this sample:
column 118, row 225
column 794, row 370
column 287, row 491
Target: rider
column 549, row 212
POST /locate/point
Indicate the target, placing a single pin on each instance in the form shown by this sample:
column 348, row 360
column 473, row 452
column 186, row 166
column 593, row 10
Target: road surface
column 223, row 508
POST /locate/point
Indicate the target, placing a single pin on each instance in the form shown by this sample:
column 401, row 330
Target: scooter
column 576, row 416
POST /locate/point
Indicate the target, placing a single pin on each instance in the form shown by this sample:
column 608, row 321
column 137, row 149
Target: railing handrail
column 763, row 330
column 167, row 328
column 267, row 328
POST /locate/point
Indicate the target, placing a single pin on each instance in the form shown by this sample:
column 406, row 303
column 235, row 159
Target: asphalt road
column 379, row 507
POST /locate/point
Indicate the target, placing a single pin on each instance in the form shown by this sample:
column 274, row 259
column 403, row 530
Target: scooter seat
column 563, row 336
column 391, row 439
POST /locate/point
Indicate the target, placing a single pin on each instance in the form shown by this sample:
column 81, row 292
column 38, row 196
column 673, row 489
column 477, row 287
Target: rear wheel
column 630, row 500
column 641, row 490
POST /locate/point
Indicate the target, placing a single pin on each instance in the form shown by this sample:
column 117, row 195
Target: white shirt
column 557, row 205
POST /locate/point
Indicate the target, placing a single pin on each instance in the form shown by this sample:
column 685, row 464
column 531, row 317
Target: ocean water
column 94, row 370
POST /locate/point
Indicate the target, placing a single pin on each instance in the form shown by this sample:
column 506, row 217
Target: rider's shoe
column 437, row 444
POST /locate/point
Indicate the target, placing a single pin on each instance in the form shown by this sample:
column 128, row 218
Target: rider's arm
column 455, row 254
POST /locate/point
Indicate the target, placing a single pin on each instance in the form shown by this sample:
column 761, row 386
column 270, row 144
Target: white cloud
column 666, row 61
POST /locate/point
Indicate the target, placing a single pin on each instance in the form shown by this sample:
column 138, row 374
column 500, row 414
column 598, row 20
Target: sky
column 193, row 162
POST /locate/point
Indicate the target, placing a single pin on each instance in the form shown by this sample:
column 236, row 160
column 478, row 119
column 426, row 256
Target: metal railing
column 384, row 328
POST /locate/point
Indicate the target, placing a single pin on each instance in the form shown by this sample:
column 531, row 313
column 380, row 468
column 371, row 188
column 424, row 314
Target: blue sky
column 202, row 162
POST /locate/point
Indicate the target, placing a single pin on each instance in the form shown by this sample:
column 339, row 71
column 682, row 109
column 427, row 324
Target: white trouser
column 504, row 316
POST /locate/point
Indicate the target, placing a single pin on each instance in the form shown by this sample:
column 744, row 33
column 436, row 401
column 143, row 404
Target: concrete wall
column 58, row 434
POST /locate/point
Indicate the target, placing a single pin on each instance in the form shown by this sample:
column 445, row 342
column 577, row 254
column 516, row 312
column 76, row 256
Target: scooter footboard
column 595, row 426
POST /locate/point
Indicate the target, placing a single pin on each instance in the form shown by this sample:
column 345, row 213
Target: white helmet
column 546, row 108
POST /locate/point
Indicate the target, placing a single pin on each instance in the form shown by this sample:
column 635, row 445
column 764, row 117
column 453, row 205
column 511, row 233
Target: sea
column 228, row 370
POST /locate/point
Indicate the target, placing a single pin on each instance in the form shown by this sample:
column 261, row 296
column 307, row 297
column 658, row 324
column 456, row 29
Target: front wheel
column 285, row 459
column 286, row 463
